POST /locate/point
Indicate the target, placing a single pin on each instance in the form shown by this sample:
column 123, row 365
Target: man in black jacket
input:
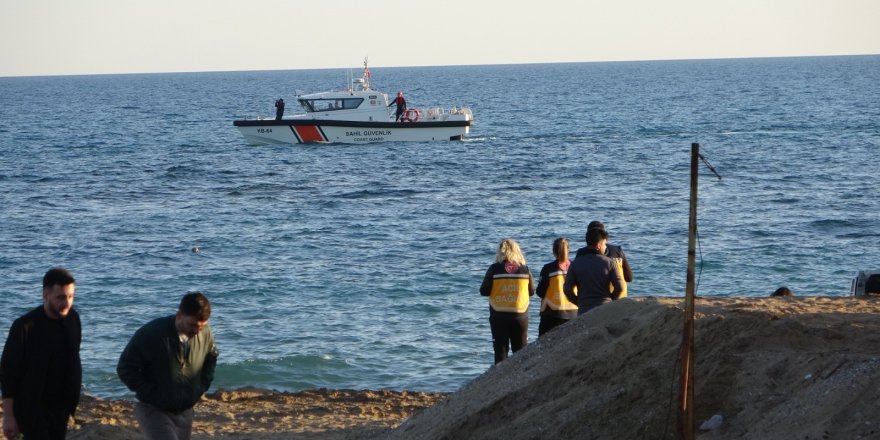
column 593, row 279
column 612, row 251
column 169, row 364
column 40, row 371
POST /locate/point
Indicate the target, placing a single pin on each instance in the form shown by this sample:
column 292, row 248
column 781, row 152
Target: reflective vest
column 510, row 292
column 618, row 264
column 554, row 297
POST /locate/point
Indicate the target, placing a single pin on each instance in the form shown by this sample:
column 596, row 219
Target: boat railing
column 441, row 114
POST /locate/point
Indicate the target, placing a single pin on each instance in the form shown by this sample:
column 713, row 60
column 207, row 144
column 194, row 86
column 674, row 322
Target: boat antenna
column 366, row 74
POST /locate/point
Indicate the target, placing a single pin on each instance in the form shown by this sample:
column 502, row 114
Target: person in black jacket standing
column 169, row 364
column 279, row 109
column 594, row 279
column 612, row 251
column 40, row 371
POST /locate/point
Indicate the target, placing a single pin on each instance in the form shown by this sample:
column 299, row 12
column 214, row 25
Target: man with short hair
column 169, row 364
column 40, row 371
column 612, row 251
column 593, row 279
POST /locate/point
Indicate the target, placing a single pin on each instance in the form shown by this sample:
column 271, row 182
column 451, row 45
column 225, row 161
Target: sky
column 71, row 37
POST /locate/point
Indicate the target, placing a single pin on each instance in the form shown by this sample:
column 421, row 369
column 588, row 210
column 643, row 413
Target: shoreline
column 265, row 414
column 795, row 367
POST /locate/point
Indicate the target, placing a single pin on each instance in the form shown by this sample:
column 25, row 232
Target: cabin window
column 329, row 105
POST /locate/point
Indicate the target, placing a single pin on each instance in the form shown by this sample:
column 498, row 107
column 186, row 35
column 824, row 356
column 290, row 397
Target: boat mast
column 366, row 75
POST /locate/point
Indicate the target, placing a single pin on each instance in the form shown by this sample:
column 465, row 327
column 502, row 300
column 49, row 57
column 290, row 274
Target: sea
column 358, row 266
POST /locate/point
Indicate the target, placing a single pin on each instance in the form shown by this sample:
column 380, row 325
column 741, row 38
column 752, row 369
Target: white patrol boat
column 357, row 115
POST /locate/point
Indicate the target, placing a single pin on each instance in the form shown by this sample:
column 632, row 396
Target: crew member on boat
column 401, row 106
column 279, row 109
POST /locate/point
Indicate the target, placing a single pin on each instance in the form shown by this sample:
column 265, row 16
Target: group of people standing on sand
column 598, row 274
column 169, row 364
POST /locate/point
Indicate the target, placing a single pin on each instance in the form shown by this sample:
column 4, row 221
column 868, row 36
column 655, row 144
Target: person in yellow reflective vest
column 508, row 284
column 556, row 309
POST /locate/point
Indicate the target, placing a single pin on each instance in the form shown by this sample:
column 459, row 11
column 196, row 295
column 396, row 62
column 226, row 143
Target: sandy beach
column 771, row 368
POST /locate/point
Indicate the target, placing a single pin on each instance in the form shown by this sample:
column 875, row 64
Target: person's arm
column 486, row 286
column 209, row 365
column 132, row 367
column 543, row 282
column 11, row 373
column 531, row 282
column 627, row 271
column 618, row 282
column 569, row 286
column 10, row 425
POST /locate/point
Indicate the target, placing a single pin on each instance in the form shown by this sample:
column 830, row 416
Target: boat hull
column 298, row 131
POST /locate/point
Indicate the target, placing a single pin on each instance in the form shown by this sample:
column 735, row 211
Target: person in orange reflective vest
column 556, row 309
column 508, row 284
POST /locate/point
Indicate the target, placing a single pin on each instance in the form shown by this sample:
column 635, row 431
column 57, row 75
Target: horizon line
column 441, row 65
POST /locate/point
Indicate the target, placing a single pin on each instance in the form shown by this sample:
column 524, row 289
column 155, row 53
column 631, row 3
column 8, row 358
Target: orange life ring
column 411, row 115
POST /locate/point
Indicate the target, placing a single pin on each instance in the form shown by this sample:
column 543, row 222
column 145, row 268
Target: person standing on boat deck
column 40, row 371
column 593, row 279
column 556, row 309
column 613, row 252
column 279, row 109
column 508, row 284
column 401, row 106
column 169, row 364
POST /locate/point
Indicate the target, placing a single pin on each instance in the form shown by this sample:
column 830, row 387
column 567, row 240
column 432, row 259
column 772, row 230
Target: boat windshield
column 325, row 105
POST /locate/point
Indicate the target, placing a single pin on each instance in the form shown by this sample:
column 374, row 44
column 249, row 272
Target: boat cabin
column 352, row 105
column 329, row 104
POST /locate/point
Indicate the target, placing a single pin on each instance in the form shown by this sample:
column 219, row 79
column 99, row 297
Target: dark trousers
column 51, row 424
column 158, row 424
column 549, row 323
column 508, row 333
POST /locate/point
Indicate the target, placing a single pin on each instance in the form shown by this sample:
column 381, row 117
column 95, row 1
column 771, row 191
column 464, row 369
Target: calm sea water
column 358, row 266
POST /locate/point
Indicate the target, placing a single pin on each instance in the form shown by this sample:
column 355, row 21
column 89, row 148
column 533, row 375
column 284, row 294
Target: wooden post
column 686, row 397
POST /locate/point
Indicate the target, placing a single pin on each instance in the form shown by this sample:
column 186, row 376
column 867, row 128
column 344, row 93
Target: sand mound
column 805, row 368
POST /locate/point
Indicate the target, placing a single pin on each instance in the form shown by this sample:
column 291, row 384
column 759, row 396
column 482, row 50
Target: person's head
column 508, row 250
column 595, row 224
column 560, row 249
column 596, row 239
column 59, row 288
column 193, row 314
column 400, row 94
column 782, row 291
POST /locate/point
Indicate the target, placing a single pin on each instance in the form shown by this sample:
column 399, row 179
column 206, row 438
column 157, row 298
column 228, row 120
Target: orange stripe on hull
column 309, row 133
